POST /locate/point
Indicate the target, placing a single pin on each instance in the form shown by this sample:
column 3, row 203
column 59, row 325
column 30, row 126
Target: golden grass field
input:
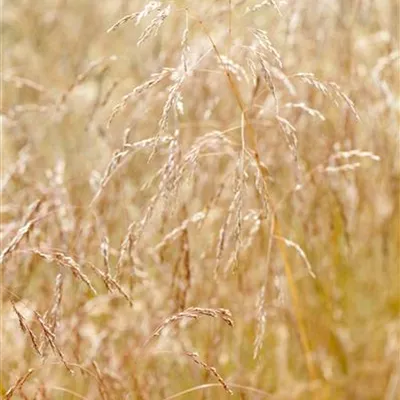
column 200, row 200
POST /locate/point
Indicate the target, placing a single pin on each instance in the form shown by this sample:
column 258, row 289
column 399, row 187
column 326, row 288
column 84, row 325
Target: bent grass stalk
column 282, row 248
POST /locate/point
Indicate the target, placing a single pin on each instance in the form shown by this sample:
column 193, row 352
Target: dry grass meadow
column 200, row 200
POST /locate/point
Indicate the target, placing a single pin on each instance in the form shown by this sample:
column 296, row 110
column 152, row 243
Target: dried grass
column 193, row 313
column 182, row 159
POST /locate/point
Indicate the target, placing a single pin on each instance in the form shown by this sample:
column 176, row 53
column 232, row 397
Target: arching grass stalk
column 305, row 343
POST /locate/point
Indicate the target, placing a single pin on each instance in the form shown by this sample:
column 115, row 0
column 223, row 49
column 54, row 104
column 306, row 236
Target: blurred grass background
column 334, row 199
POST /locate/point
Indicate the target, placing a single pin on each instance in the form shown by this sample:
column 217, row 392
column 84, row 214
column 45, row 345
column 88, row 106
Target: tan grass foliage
column 170, row 164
